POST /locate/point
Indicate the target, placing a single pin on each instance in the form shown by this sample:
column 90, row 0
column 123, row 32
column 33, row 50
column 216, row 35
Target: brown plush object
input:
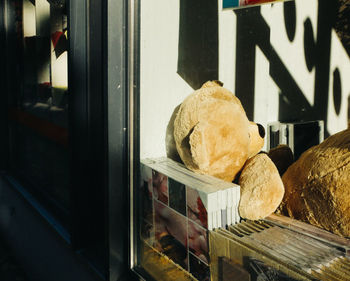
column 318, row 185
column 261, row 188
column 213, row 134
column 282, row 157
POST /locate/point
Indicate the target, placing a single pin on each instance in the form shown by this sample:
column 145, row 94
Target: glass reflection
column 39, row 106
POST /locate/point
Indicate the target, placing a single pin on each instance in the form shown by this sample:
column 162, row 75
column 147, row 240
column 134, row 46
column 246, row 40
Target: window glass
column 288, row 67
column 39, row 99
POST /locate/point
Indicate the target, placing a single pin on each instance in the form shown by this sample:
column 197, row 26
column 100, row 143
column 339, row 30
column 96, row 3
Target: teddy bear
column 317, row 185
column 213, row 136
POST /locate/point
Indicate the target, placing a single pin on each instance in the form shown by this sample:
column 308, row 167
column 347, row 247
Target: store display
column 267, row 251
column 232, row 271
column 299, row 136
column 206, row 200
column 341, row 243
column 239, row 3
column 179, row 207
column 213, row 134
column 317, row 185
column 266, row 57
column 161, row 267
column 262, row 189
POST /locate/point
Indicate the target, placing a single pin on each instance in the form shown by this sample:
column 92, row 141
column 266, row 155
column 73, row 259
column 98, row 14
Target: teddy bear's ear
column 213, row 83
column 256, row 134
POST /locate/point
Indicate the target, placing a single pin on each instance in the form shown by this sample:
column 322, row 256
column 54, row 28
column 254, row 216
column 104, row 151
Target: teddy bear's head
column 213, row 134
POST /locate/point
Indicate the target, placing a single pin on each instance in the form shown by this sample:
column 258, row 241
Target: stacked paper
column 179, row 207
column 287, row 253
column 220, row 198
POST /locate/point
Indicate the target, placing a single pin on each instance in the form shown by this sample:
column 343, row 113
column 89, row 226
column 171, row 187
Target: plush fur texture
column 318, row 185
column 262, row 189
column 213, row 134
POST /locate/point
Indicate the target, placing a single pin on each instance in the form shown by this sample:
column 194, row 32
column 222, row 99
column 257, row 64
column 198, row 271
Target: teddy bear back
column 211, row 132
column 317, row 185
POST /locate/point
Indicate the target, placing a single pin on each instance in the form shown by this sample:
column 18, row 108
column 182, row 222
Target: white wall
column 162, row 89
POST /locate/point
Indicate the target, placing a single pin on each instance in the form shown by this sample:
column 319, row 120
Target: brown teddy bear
column 214, row 136
column 318, row 185
column 262, row 189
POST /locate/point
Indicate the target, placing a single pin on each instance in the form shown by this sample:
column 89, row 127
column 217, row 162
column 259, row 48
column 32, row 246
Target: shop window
column 38, row 100
column 286, row 64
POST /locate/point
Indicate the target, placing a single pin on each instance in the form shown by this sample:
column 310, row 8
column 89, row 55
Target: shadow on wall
column 342, row 23
column 198, row 55
column 198, row 42
column 293, row 105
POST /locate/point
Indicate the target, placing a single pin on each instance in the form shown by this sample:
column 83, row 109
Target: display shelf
column 286, row 64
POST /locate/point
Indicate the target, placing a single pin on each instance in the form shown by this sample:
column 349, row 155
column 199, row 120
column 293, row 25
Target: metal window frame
column 133, row 63
column 85, row 79
column 116, row 47
column 4, row 144
column 117, row 91
column 122, row 104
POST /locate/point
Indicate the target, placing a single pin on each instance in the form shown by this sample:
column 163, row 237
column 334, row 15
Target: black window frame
column 4, row 141
column 86, row 231
column 100, row 79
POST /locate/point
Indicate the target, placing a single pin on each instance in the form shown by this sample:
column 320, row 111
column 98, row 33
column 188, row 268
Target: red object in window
column 253, row 2
column 45, row 85
column 55, row 37
column 41, row 126
column 59, row 42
